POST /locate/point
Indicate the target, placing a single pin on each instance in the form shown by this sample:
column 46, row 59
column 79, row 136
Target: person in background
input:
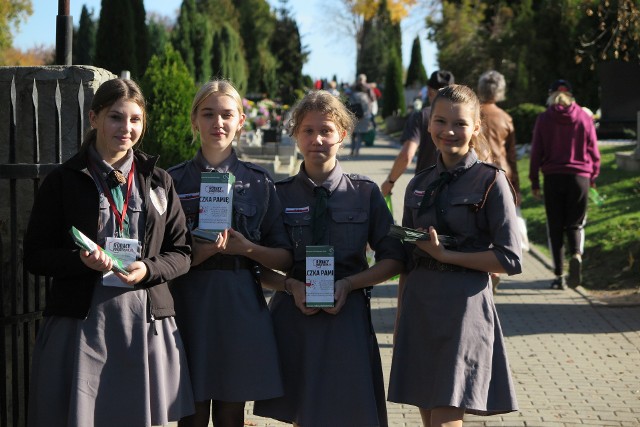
column 108, row 352
column 220, row 307
column 449, row 355
column 497, row 127
column 565, row 149
column 333, row 88
column 331, row 364
column 361, row 96
column 415, row 135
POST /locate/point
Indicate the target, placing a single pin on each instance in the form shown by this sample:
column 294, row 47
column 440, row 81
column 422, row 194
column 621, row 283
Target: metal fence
column 43, row 112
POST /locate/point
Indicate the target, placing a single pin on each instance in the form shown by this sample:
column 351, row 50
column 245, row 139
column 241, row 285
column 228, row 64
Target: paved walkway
column 573, row 363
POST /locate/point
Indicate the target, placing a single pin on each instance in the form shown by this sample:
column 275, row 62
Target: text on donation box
column 216, row 201
column 320, row 275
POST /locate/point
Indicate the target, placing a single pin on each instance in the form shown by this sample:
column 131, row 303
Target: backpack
column 356, row 108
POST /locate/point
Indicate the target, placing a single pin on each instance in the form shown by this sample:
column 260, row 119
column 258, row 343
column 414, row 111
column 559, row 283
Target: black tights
column 223, row 414
column 565, row 202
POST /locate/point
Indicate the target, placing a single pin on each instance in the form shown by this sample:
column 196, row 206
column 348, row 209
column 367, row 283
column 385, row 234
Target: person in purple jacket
column 565, row 149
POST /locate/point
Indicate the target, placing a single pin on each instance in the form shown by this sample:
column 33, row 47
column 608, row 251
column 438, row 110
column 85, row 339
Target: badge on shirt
column 125, row 250
column 297, row 210
column 158, row 198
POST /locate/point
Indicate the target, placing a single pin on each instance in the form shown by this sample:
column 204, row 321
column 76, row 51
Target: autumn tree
column 531, row 43
column 613, row 32
column 12, row 14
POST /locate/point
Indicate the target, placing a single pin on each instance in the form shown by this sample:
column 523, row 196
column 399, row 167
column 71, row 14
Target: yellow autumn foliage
column 398, row 9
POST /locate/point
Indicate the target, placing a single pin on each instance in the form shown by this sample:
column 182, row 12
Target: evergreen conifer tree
column 159, row 35
column 256, row 27
column 84, row 39
column 416, row 74
column 227, row 58
column 140, row 36
column 115, row 40
column 393, row 95
column 287, row 47
column 192, row 38
column 169, row 90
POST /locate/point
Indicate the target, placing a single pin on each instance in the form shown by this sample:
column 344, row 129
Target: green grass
column 612, row 246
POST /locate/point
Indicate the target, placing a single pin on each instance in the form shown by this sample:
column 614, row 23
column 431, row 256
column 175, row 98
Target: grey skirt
column 113, row 368
column 449, row 349
column 331, row 367
column 228, row 335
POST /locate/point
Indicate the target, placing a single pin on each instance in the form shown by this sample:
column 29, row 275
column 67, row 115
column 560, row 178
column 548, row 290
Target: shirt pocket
column 246, row 220
column 462, row 213
column 351, row 229
column 299, row 228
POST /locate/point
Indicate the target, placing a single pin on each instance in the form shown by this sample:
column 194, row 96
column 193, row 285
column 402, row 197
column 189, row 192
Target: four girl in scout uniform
column 108, row 352
column 332, row 373
column 220, row 307
column 449, row 355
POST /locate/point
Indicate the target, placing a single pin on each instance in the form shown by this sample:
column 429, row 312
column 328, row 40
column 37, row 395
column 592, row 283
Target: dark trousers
column 565, row 201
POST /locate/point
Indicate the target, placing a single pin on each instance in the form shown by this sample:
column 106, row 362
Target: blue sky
column 332, row 52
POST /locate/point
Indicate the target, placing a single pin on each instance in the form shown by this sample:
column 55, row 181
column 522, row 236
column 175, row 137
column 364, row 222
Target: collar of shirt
column 470, row 159
column 331, row 183
column 228, row 165
column 105, row 168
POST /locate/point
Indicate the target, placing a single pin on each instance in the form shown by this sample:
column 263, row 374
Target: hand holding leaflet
column 410, row 235
column 83, row 242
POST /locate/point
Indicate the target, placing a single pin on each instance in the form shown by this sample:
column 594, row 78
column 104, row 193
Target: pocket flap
column 244, row 208
column 297, row 219
column 349, row 216
column 467, row 199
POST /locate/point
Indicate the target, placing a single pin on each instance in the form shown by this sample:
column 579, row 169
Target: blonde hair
column 324, row 103
column 218, row 86
column 461, row 94
column 563, row 98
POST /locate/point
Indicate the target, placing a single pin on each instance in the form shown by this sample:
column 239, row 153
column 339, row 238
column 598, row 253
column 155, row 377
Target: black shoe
column 558, row 283
column 575, row 271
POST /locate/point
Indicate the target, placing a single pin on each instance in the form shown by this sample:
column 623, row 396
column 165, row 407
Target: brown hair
column 325, row 103
column 108, row 94
column 461, row 94
column 220, row 86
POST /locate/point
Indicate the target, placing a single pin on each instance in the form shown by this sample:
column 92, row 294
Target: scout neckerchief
column 318, row 224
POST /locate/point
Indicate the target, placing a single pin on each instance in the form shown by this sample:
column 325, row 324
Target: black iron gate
column 42, row 116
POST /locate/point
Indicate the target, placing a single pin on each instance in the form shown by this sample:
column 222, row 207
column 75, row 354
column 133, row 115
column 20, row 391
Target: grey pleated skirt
column 111, row 369
column 331, row 367
column 449, row 349
column 228, row 335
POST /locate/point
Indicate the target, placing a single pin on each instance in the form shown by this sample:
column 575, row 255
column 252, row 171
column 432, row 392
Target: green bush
column 169, row 90
column 524, row 119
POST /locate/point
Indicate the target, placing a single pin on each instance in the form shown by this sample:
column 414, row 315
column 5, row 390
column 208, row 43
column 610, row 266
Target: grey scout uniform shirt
column 478, row 208
column 257, row 212
column 357, row 214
